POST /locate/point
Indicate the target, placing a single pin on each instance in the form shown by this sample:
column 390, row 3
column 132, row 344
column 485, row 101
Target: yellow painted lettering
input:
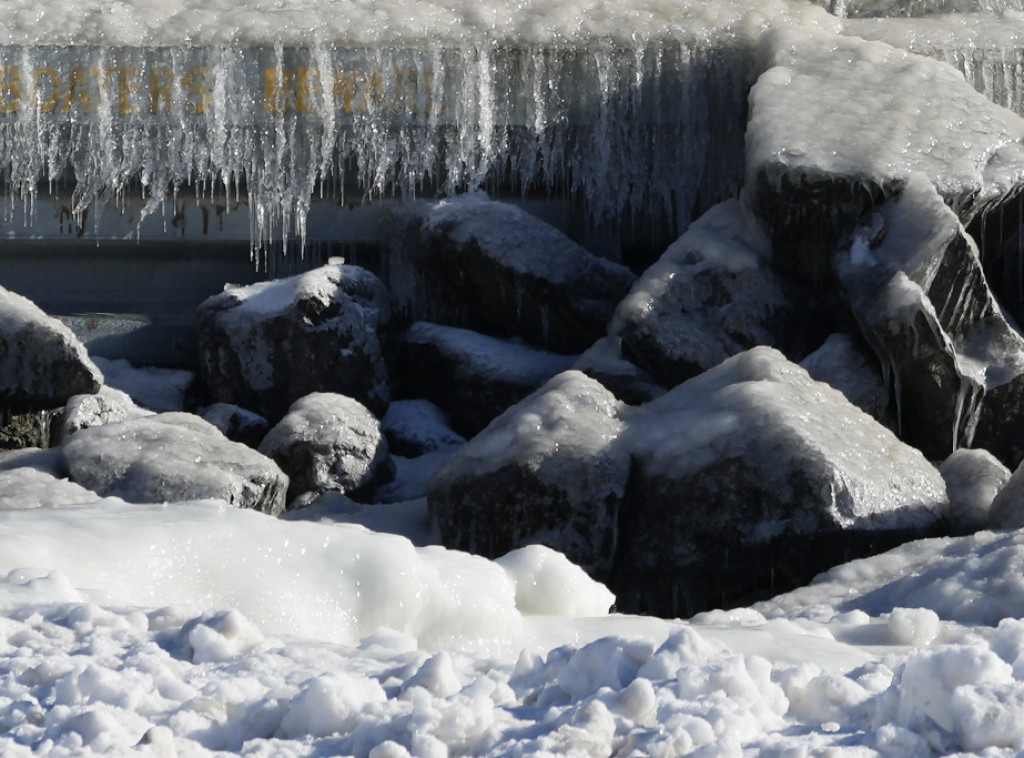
column 48, row 74
column 10, row 89
column 77, row 92
column 128, row 83
column 161, row 80
column 193, row 81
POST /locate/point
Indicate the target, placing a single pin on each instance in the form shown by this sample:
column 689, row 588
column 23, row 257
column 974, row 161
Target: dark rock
column 914, row 282
column 816, row 164
column 752, row 478
column 326, row 442
column 493, row 268
column 470, row 376
column 604, row 362
column 172, row 457
column 713, row 295
column 266, row 345
column 548, row 470
column 237, row 424
column 42, row 363
column 28, row 429
column 415, row 427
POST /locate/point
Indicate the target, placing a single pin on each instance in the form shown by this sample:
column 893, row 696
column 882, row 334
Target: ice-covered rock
column 42, row 364
column 414, row 427
column 753, row 476
column 973, row 479
column 471, row 376
column 852, row 369
column 326, row 442
column 713, row 295
column 266, row 345
column 172, row 457
column 605, row 362
column 236, row 423
column 549, row 470
column 108, row 406
column 1007, row 510
column 914, row 281
column 494, row 268
column 838, row 124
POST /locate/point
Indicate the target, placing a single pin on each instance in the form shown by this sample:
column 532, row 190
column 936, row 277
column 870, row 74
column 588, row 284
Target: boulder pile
column 818, row 369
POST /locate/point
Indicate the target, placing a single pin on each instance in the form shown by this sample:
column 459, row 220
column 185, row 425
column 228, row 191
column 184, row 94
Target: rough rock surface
column 108, row 406
column 548, row 471
column 493, row 268
column 172, row 457
column 914, row 282
column 838, row 124
column 472, row 377
column 42, row 363
column 713, row 295
column 266, row 345
column 753, row 476
column 326, row 442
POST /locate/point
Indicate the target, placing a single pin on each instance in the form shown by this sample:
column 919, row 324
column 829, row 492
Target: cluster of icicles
column 276, row 128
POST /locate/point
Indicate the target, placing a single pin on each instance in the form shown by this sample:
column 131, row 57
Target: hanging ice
column 275, row 104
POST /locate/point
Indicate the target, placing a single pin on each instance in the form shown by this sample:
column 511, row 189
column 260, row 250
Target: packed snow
column 202, row 629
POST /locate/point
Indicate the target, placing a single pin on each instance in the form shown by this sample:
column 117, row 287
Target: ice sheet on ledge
column 449, row 23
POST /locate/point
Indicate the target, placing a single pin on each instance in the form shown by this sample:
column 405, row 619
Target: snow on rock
column 172, row 457
column 489, row 266
column 42, row 364
column 548, row 470
column 414, row 427
column 253, row 340
column 713, row 295
column 326, row 442
column 971, row 580
column 845, row 364
column 548, row 583
column 1007, row 507
column 756, row 461
column 913, row 279
column 973, row 479
column 837, row 124
column 107, row 406
column 471, row 376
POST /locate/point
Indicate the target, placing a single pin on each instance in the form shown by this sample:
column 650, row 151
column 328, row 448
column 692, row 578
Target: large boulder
column 712, row 295
column 42, row 364
column 838, row 124
column 549, row 470
column 266, row 345
column 492, row 267
column 471, row 376
column 172, row 457
column 913, row 279
column 752, row 478
column 327, row 442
